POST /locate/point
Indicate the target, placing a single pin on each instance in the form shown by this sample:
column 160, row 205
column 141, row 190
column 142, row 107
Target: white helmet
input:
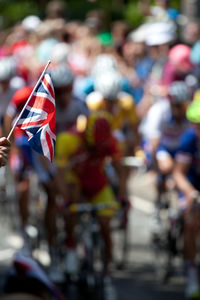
column 61, row 75
column 7, row 68
column 60, row 53
column 108, row 84
column 103, row 63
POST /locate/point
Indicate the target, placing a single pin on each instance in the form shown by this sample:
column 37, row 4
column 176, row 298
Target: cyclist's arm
column 130, row 116
column 182, row 182
column 183, row 161
column 121, row 172
column 154, row 146
column 60, row 182
column 7, row 124
column 66, row 145
column 122, row 175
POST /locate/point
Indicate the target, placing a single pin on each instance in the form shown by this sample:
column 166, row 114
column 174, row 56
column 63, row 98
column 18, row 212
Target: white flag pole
column 33, row 91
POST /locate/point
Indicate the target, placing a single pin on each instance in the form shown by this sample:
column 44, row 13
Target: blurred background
column 76, row 32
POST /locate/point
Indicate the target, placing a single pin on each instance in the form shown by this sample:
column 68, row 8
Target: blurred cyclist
column 80, row 157
column 186, row 175
column 67, row 111
column 108, row 96
column 7, row 71
column 68, row 107
column 23, row 160
column 161, row 129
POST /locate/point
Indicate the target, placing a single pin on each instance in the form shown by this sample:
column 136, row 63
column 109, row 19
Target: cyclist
column 108, row 96
column 161, row 130
column 68, row 107
column 80, row 158
column 67, row 110
column 23, row 160
column 164, row 124
column 186, row 175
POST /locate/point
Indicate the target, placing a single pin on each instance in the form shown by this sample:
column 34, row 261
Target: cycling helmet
column 61, row 75
column 178, row 92
column 179, row 56
column 98, row 128
column 7, row 68
column 108, row 84
column 103, row 63
column 60, row 53
column 193, row 112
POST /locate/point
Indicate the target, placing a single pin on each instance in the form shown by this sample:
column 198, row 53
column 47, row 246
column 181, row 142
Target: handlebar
column 133, row 161
column 89, row 207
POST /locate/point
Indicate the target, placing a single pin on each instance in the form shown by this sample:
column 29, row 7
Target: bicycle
column 90, row 249
column 167, row 234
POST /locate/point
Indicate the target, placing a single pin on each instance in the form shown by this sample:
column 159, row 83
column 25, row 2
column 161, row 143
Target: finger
column 4, row 155
column 4, row 149
column 4, row 142
column 3, row 161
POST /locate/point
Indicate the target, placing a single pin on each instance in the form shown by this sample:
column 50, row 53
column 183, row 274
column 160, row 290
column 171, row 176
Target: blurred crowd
column 97, row 59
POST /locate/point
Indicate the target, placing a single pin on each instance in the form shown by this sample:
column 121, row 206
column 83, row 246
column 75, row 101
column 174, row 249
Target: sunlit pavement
column 137, row 280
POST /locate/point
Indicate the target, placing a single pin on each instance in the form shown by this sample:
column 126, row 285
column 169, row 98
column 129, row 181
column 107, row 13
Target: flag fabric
column 38, row 118
column 29, row 268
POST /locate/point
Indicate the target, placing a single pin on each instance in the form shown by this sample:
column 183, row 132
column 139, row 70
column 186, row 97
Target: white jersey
column 159, row 123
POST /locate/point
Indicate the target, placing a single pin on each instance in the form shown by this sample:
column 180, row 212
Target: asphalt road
column 137, row 280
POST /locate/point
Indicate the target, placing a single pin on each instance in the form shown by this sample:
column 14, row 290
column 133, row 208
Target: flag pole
column 33, row 91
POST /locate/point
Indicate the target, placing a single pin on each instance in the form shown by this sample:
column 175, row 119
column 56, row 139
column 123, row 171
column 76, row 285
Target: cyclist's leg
column 191, row 229
column 104, row 216
column 191, row 232
column 104, row 222
column 19, row 168
column 165, row 162
column 23, row 194
column 50, row 212
column 74, row 196
column 165, row 165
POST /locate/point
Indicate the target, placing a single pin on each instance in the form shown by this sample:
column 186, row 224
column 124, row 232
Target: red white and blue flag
column 38, row 118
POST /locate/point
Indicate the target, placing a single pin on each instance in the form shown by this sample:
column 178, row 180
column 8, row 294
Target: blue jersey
column 171, row 135
column 189, row 153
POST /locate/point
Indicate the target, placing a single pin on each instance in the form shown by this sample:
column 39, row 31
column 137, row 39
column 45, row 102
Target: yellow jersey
column 123, row 111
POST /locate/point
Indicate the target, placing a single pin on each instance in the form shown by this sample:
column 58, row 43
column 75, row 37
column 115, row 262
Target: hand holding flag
column 37, row 118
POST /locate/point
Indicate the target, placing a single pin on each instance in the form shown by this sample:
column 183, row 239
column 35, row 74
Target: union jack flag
column 38, row 118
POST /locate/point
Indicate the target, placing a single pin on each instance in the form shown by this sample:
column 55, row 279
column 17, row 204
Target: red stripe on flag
column 42, row 103
column 49, row 87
